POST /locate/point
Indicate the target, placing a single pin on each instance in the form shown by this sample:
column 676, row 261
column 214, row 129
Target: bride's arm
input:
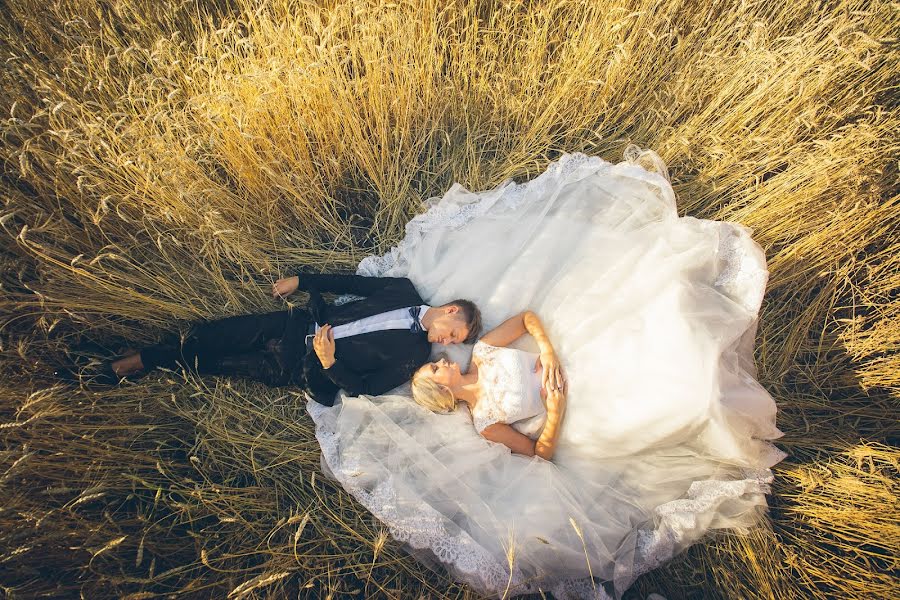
column 515, row 327
column 509, row 437
column 552, row 378
column 556, row 409
column 520, row 443
column 528, row 322
column 507, row 332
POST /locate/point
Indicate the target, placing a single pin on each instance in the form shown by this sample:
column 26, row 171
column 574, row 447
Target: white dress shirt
column 393, row 319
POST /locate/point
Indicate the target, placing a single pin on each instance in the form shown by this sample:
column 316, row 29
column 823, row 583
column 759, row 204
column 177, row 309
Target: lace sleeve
column 483, row 421
column 482, row 350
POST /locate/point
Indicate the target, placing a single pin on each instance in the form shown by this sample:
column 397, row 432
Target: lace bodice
column 511, row 390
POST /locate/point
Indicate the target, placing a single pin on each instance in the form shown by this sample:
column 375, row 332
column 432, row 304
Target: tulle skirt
column 667, row 431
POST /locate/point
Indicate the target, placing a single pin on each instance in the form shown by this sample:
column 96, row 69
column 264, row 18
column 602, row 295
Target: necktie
column 414, row 313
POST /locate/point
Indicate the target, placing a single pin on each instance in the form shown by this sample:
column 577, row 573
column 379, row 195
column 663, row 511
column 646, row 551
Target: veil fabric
column 667, row 432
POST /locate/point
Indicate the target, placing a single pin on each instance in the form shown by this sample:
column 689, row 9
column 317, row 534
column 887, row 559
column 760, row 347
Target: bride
column 573, row 482
column 507, row 405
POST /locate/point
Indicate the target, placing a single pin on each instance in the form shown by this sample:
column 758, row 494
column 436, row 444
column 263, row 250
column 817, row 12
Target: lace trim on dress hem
column 678, row 518
column 426, row 529
column 422, row 529
column 445, row 215
column 743, row 277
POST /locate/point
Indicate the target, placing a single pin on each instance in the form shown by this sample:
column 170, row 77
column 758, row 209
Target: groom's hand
column 285, row 286
column 323, row 344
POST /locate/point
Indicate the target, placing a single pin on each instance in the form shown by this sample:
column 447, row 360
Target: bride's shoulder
column 483, row 349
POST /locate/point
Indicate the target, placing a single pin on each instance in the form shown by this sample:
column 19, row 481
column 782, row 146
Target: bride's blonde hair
column 432, row 395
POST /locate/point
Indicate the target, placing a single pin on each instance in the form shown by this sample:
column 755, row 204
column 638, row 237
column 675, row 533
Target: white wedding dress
column 666, row 433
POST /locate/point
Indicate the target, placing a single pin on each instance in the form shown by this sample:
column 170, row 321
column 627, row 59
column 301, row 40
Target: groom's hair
column 472, row 317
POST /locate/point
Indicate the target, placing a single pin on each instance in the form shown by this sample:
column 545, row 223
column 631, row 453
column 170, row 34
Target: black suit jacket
column 370, row 363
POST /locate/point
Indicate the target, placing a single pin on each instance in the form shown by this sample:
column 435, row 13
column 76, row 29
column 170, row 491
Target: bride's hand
column 556, row 403
column 285, row 286
column 552, row 377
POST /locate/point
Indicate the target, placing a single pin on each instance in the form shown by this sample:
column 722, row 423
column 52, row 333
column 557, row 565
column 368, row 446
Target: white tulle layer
column 666, row 434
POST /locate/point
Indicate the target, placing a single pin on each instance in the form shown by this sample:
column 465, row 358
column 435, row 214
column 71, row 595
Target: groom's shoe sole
column 105, row 378
column 67, row 375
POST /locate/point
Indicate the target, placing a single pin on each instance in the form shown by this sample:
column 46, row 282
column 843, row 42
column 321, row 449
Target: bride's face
column 443, row 371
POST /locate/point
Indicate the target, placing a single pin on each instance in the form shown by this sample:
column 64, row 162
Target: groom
column 368, row 346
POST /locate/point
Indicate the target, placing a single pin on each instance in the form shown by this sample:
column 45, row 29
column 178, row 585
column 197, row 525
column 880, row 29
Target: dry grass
column 165, row 161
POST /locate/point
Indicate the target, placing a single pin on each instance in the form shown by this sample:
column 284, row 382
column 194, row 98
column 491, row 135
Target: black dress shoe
column 67, row 375
column 105, row 376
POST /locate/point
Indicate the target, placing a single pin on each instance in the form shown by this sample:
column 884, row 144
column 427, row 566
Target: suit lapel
column 367, row 307
column 378, row 348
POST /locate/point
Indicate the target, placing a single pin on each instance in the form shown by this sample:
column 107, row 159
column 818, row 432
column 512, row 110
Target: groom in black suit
column 368, row 346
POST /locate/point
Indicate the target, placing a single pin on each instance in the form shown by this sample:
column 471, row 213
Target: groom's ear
column 452, row 309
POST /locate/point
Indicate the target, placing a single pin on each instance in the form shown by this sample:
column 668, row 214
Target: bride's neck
column 467, row 390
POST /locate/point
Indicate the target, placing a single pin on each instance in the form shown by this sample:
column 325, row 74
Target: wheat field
column 166, row 161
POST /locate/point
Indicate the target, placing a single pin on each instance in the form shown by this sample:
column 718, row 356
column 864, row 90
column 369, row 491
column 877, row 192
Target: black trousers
column 266, row 347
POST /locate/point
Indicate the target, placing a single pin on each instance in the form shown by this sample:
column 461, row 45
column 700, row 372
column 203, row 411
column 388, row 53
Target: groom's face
column 448, row 328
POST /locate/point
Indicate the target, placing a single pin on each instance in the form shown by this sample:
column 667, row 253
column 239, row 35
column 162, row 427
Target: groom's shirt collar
column 393, row 319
